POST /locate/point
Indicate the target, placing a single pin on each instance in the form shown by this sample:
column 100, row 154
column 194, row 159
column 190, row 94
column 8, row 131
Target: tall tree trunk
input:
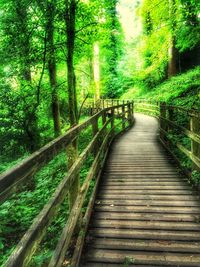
column 173, row 52
column 70, row 32
column 52, row 68
column 172, row 55
column 72, row 150
column 96, row 70
column 24, row 43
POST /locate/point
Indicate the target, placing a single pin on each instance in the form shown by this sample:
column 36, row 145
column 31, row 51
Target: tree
column 51, row 6
column 112, row 48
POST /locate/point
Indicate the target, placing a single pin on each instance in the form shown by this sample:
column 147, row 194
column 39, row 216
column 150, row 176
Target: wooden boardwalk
column 145, row 214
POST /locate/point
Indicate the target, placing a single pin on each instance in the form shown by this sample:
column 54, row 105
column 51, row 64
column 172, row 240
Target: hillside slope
column 182, row 90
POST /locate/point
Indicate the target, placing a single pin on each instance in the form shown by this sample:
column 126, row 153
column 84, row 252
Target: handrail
column 167, row 116
column 20, row 173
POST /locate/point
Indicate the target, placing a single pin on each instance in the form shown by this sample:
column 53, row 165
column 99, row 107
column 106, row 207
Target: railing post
column 95, row 131
column 195, row 147
column 133, row 107
column 72, row 155
column 112, row 121
column 118, row 108
column 104, row 117
column 123, row 116
column 107, row 103
column 162, row 121
column 130, row 114
column 171, row 116
column 103, row 103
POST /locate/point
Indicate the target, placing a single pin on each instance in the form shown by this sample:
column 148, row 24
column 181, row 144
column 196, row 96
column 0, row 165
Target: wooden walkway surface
column 145, row 214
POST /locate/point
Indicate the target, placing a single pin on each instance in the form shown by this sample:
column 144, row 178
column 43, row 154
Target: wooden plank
column 146, row 245
column 149, row 202
column 155, row 225
column 147, row 197
column 144, row 187
column 149, row 192
column 146, row 209
column 166, row 259
column 145, row 234
column 131, row 182
column 171, row 217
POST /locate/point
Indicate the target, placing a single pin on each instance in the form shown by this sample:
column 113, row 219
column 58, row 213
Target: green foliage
column 17, row 214
column 128, row 261
column 111, row 50
column 188, row 28
column 181, row 90
column 196, row 177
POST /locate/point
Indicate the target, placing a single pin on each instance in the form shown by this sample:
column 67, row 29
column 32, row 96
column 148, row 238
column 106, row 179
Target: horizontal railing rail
column 190, row 128
column 112, row 118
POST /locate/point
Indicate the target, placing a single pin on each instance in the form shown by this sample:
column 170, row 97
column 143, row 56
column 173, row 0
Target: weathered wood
column 194, row 159
column 127, row 224
column 72, row 155
column 123, row 117
column 145, row 245
column 164, row 259
column 80, row 240
column 64, row 241
column 142, row 201
column 195, row 146
column 10, row 180
column 192, row 135
column 193, row 236
column 29, row 242
column 163, row 113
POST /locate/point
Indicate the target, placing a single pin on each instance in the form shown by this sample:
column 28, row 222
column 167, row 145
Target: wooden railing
column 169, row 117
column 175, row 122
column 113, row 117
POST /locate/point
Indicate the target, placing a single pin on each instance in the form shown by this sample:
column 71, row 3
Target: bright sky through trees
column 130, row 22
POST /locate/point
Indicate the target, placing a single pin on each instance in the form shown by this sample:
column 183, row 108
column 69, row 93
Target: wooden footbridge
column 142, row 210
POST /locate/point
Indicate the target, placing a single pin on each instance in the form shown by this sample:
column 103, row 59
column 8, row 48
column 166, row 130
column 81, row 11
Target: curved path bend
column 146, row 213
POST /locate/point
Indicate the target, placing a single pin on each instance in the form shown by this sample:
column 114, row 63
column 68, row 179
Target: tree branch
column 81, row 107
column 86, row 26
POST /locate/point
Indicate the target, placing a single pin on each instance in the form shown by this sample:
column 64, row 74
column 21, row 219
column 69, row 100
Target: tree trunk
column 172, row 64
column 52, row 69
column 173, row 52
column 72, row 150
column 96, row 70
column 24, row 48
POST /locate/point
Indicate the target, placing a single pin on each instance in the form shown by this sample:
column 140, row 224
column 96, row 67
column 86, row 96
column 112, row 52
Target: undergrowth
column 18, row 213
